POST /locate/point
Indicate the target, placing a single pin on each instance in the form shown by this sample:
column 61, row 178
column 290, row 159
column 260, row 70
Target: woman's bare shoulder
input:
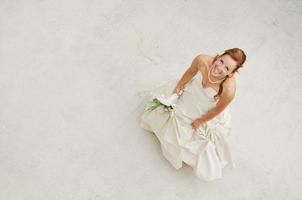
column 229, row 87
column 231, row 81
column 205, row 57
column 204, row 60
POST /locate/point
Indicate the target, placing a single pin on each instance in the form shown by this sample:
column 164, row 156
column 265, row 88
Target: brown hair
column 236, row 54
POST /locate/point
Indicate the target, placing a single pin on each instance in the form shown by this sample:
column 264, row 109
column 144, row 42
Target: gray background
column 70, row 72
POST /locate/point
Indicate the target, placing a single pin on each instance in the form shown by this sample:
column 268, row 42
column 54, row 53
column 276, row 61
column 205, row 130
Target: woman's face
column 223, row 66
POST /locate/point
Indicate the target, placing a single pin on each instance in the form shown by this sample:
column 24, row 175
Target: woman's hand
column 196, row 123
column 178, row 90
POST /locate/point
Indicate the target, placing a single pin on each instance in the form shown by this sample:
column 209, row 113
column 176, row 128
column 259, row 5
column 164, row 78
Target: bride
column 219, row 76
column 196, row 129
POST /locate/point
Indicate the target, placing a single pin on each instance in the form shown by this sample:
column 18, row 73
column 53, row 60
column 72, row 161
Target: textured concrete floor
column 70, row 72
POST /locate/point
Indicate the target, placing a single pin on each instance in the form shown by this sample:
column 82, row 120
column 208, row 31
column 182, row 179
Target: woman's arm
column 227, row 96
column 189, row 74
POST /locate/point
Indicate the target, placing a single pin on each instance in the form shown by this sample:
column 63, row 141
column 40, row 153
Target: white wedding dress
column 206, row 149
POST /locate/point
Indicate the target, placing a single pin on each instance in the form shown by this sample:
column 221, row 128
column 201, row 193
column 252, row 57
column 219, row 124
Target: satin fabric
column 206, row 149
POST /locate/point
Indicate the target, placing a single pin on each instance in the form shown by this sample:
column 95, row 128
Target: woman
column 196, row 130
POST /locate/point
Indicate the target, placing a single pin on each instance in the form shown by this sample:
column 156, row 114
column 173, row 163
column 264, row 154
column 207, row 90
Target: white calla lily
column 170, row 101
column 167, row 103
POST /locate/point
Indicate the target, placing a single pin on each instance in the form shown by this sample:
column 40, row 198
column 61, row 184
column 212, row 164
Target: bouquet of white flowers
column 167, row 103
